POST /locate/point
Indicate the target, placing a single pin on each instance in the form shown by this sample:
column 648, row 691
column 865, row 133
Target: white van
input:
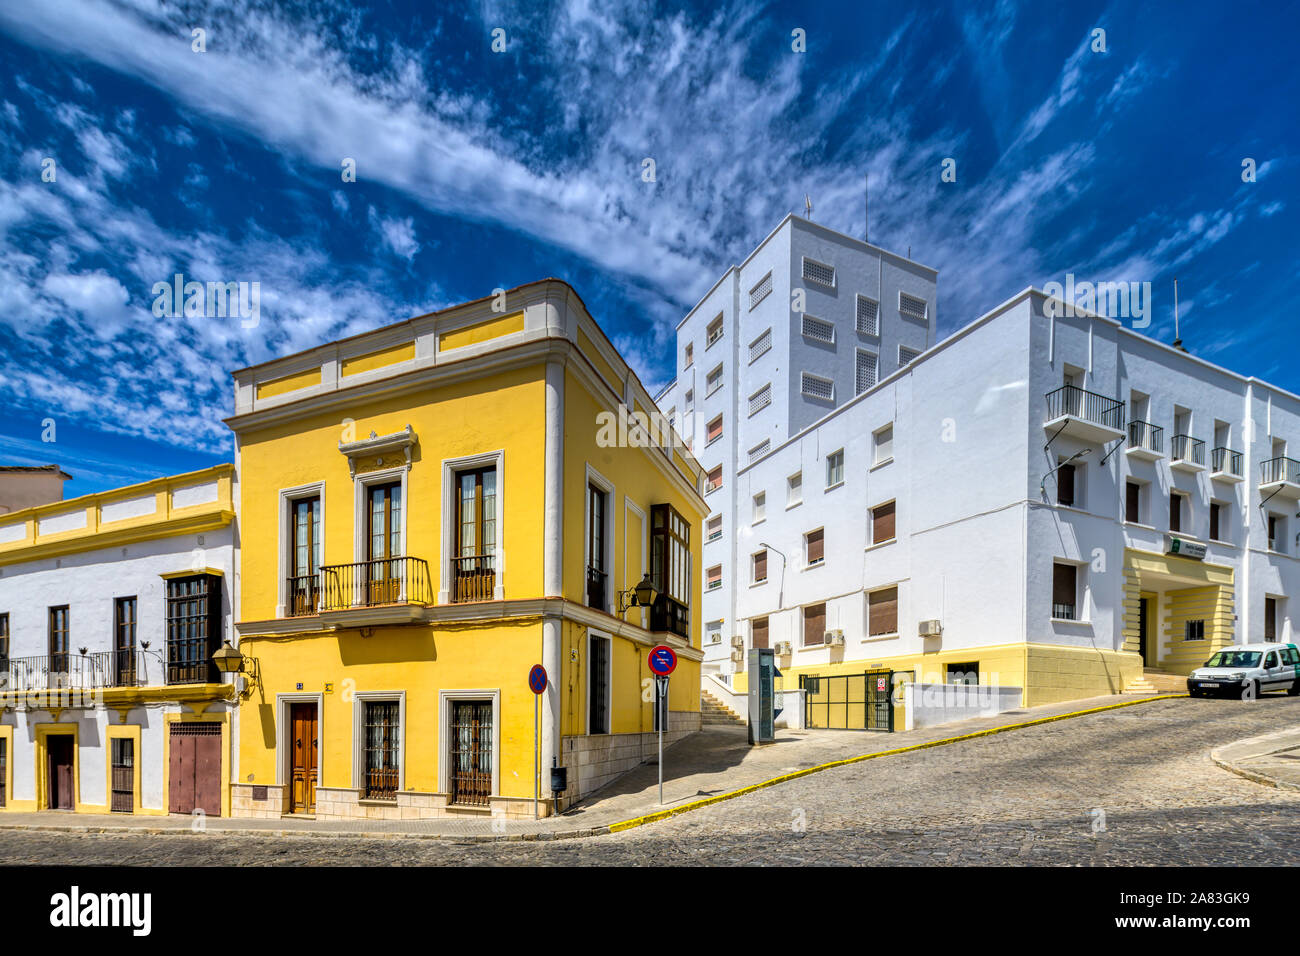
column 1248, row 670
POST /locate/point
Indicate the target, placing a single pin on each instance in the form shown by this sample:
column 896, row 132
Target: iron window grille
column 760, row 291
column 818, row 329
column 868, row 316
column 818, row 272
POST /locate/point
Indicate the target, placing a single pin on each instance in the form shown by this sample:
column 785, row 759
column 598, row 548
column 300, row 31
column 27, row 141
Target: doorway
column 194, row 767
column 59, row 750
column 304, row 757
column 1144, row 629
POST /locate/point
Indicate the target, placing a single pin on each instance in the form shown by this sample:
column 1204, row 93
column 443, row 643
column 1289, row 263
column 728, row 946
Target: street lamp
column 643, row 595
column 230, row 662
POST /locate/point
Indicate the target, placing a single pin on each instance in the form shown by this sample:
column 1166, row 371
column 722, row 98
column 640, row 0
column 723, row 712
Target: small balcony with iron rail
column 1187, row 454
column 597, row 589
column 393, row 590
column 1146, row 442
column 1280, row 478
column 1087, row 416
column 1226, row 465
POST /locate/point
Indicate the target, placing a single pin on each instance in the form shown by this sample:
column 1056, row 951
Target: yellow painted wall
column 378, row 359
column 482, row 332
column 1213, row 605
column 289, row 383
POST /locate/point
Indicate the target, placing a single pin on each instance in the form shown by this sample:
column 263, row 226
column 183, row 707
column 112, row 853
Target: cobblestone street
column 1128, row 787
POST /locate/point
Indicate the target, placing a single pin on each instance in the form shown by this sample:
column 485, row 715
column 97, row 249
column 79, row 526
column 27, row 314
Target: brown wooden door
column 194, row 768
column 304, row 750
column 59, row 747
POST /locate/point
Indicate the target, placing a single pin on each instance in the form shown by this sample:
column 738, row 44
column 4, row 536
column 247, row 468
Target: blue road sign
column 537, row 679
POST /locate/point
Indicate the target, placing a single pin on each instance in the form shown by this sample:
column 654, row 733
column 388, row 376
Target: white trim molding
column 450, row 467
column 445, row 699
column 315, row 489
column 359, row 700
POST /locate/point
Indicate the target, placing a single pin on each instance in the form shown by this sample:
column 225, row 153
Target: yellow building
column 426, row 512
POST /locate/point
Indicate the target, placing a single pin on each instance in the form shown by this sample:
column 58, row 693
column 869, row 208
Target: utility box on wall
column 762, row 695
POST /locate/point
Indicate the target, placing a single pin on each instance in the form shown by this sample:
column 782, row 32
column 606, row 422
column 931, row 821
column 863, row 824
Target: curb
column 612, row 827
column 1254, row 776
column 709, row 801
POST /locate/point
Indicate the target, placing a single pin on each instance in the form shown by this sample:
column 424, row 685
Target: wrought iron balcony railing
column 1070, row 401
column 1147, row 436
column 1189, row 449
column 374, row 583
column 473, row 578
column 1279, row 469
column 100, row 670
column 596, row 589
column 1225, row 461
column 671, row 615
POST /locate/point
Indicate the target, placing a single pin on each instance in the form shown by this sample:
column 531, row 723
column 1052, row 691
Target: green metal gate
column 849, row 701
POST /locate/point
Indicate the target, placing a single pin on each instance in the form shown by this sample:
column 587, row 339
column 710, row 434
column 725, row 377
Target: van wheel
column 1294, row 689
column 1250, row 691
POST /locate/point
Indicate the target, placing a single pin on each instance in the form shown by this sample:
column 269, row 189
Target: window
column 713, row 382
column 713, row 578
column 473, row 559
column 1276, row 533
column 471, row 760
column 912, row 307
column 672, row 417
column 760, row 345
column 713, row 528
column 598, row 690
column 760, row 399
column 670, row 570
column 713, row 481
column 966, row 673
column 883, row 440
column 864, row 376
column 715, row 632
column 383, row 576
column 597, row 550
column 59, row 640
column 688, row 355
column 814, row 625
column 1132, row 499
column 690, row 401
column 906, row 355
column 760, row 507
column 383, row 739
column 882, row 612
column 1194, row 630
column 1175, row 511
column 122, row 784
column 124, row 634
column 760, row 291
column 759, row 450
column 1216, row 528
column 1270, row 619
column 794, row 489
column 713, row 431
column 304, row 555
column 817, row 329
column 1064, row 590
column 814, row 547
column 835, row 468
column 818, row 272
column 882, row 523
column 4, row 643
column 759, row 560
column 814, row 386
column 1065, row 485
column 193, row 628
column 758, row 632
column 714, row 332
column 868, row 318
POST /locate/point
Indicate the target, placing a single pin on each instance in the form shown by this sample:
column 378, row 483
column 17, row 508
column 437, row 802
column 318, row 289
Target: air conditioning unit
column 738, row 656
column 834, row 638
column 929, row 628
column 738, row 640
column 784, row 648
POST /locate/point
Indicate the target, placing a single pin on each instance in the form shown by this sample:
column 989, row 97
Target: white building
column 1036, row 502
column 111, row 606
column 810, row 319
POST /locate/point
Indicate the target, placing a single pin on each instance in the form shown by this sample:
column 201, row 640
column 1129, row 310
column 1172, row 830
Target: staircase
column 1157, row 681
column 713, row 711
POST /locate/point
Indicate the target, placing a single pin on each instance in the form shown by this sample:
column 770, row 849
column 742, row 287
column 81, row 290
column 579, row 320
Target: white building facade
column 111, row 606
column 809, row 320
column 1049, row 503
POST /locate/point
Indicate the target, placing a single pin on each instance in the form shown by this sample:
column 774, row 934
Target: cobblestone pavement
column 1133, row 786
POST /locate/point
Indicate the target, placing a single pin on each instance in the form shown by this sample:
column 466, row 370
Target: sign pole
column 537, row 743
column 663, row 660
column 659, row 704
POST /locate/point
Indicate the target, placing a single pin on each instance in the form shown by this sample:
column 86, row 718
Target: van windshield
column 1234, row 659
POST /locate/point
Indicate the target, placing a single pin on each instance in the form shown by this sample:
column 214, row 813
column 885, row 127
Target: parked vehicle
column 1248, row 670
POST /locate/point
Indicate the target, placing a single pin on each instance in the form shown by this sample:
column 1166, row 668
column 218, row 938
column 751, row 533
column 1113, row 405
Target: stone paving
column 1133, row 786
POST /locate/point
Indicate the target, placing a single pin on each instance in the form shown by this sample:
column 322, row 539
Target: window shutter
column 1175, row 513
column 1065, row 485
column 758, row 636
column 1063, row 584
column 815, row 546
column 1131, row 493
column 883, row 611
column 882, row 523
column 814, row 624
column 1214, row 521
column 760, row 566
column 1270, row 619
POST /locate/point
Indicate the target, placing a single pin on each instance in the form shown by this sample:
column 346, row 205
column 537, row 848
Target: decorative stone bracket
column 380, row 448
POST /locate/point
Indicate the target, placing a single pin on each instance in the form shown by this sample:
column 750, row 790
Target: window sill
column 838, row 484
column 794, row 504
column 711, row 590
column 757, row 521
column 811, row 647
column 814, row 566
column 713, row 391
column 1071, row 620
column 712, row 440
column 893, row 635
column 713, row 539
column 758, row 584
column 880, row 544
column 1139, row 524
column 881, row 464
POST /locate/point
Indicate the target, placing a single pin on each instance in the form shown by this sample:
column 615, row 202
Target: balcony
column 1280, row 477
column 1225, row 465
column 1084, row 415
column 473, row 578
column 596, row 589
column 381, row 591
column 102, row 670
column 1145, row 441
column 1187, row 454
column 670, row 615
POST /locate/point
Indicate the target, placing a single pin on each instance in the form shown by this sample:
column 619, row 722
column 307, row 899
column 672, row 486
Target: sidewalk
column 703, row 768
column 1271, row 759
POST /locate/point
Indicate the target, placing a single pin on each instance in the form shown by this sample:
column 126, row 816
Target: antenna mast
column 1178, row 339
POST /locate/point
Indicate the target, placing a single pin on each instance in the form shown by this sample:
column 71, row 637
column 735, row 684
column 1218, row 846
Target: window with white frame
column 713, row 333
column 760, row 508
column 912, row 307
column 794, row 489
column 906, row 355
column 835, row 468
column 690, row 401
column 758, row 566
column 868, row 316
column 814, row 386
column 865, row 371
column 713, row 431
column 814, row 547
column 713, row 382
column 759, row 450
column 713, row 578
column 817, row 329
column 760, row 292
column 760, row 345
column 818, row 272
column 760, row 399
column 882, row 441
column 688, row 355
column 713, row 528
column 713, row 480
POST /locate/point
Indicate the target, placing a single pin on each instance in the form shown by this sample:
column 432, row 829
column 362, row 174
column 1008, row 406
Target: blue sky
column 478, row 169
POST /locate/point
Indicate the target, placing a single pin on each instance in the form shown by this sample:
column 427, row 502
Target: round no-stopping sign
column 663, row 660
column 537, row 679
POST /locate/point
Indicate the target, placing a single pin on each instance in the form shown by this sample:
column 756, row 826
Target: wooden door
column 384, row 543
column 60, row 750
column 194, row 768
column 304, row 751
column 1144, row 623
